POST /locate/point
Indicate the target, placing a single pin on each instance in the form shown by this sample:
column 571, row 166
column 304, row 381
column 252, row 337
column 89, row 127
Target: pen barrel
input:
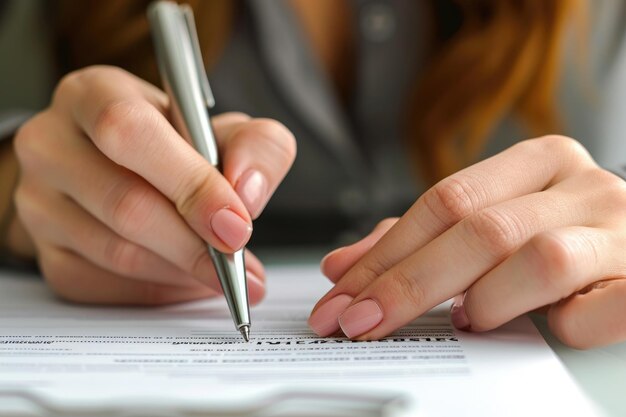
column 235, row 290
column 184, row 79
column 182, row 82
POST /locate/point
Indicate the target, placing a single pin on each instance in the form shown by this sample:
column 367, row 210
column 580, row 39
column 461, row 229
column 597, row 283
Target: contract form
column 63, row 359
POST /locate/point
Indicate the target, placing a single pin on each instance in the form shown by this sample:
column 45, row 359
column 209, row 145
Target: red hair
column 504, row 59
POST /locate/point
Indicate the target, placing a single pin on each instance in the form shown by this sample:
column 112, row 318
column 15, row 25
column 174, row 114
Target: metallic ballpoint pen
column 185, row 81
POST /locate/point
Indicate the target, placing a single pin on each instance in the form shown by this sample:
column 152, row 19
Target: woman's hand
column 539, row 224
column 120, row 206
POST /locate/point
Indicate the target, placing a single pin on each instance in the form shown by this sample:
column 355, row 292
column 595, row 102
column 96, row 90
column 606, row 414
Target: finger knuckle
column 118, row 122
column 277, row 137
column 614, row 187
column 24, row 141
column 30, row 144
column 29, row 208
column 452, row 200
column 617, row 200
column 25, row 198
column 104, row 72
column 233, row 116
column 556, row 142
column 129, row 205
column 496, row 233
column 408, row 289
column 604, row 178
column 561, row 145
column 80, row 80
column 69, row 84
column 95, row 74
column 552, row 261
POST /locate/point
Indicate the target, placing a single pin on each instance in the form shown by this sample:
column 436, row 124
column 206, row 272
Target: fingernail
column 230, row 228
column 360, row 318
column 252, row 189
column 457, row 313
column 324, row 320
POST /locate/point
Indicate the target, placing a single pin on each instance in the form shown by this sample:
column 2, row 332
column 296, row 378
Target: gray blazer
column 352, row 169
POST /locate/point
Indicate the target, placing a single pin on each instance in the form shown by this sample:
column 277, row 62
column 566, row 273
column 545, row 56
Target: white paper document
column 187, row 359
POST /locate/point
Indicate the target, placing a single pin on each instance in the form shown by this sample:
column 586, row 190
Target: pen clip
column 203, row 79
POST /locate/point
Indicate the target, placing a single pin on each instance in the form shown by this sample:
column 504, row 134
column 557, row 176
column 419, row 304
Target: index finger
column 128, row 128
column 454, row 261
column 519, row 170
column 525, row 168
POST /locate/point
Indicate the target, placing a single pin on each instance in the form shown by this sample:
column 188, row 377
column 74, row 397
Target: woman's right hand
column 120, row 207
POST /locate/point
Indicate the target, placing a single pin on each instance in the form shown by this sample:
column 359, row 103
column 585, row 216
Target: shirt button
column 378, row 22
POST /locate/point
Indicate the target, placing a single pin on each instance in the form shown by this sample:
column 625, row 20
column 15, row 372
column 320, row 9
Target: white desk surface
column 601, row 372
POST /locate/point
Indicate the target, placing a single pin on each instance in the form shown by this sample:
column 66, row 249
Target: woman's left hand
column 539, row 224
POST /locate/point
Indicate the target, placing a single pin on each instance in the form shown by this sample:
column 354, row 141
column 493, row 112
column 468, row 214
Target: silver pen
column 185, row 81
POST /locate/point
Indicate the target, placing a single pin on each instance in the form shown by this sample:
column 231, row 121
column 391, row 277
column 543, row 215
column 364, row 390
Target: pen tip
column 245, row 332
